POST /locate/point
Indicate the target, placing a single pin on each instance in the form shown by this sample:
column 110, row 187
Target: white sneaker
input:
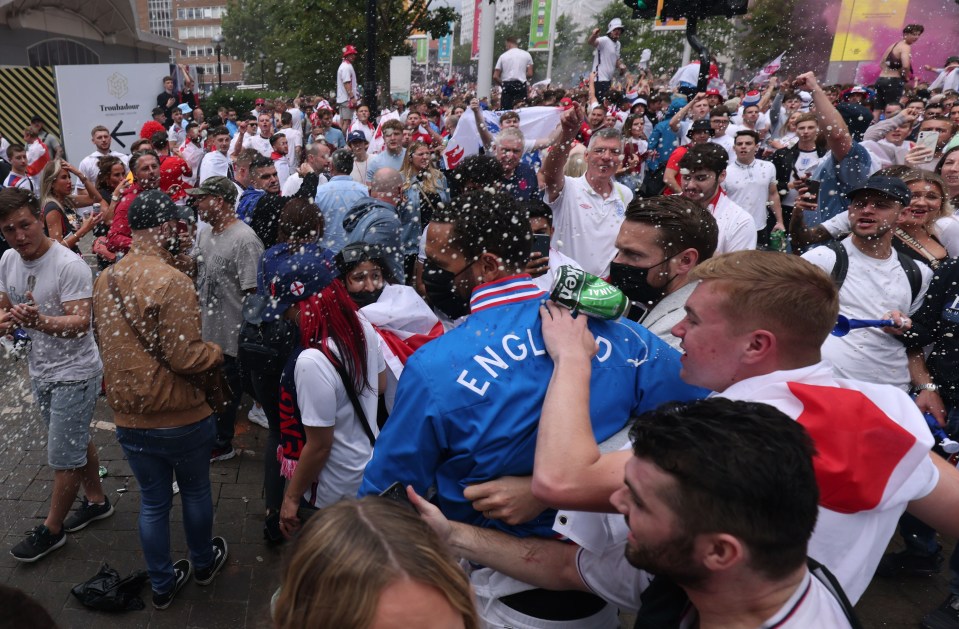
column 258, row 416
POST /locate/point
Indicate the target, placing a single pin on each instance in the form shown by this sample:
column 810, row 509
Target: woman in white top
column 340, row 362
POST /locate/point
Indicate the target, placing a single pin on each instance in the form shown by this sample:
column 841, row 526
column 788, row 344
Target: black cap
column 700, row 125
column 36, row 118
column 892, row 187
column 151, row 208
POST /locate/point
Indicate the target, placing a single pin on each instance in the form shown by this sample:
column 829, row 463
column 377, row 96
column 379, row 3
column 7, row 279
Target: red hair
column 331, row 316
column 149, row 128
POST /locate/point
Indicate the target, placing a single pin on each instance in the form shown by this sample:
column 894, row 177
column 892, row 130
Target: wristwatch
column 929, row 386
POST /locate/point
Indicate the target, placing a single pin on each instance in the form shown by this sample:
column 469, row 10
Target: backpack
column 841, row 267
column 265, row 345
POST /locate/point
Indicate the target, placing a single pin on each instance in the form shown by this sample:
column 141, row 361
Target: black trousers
column 513, row 91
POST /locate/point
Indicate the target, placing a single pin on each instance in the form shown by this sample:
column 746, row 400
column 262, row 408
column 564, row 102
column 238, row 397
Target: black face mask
column 366, row 297
column 632, row 281
column 441, row 293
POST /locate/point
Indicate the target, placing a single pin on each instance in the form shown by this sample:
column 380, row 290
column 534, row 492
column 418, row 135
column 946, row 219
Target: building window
column 201, row 13
column 199, row 32
column 160, row 15
column 61, row 52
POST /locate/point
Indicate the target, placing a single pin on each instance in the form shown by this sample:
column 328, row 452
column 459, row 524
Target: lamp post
column 262, row 80
column 218, row 47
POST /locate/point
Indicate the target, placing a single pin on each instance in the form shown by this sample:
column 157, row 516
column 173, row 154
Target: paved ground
column 240, row 595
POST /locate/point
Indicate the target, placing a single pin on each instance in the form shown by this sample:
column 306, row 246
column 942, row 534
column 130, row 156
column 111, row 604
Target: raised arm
column 593, row 37
column 569, row 472
column 830, row 120
column 555, row 161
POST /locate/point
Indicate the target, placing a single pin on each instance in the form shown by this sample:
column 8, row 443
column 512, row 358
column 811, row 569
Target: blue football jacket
column 468, row 403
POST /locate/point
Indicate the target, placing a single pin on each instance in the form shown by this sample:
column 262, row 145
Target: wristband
column 929, row 386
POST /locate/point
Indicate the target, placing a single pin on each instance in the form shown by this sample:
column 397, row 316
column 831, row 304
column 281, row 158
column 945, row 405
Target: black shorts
column 888, row 91
column 513, row 92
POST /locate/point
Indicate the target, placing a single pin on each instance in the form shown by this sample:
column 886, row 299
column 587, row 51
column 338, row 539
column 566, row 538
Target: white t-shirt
column 23, row 182
column 345, row 74
column 748, row 187
column 586, row 224
column 727, row 143
column 294, row 140
column 58, row 276
column 323, row 403
column 213, row 164
column 293, row 183
column 737, row 230
column 947, row 229
column 871, row 289
column 259, row 143
column 512, row 65
column 556, row 260
column 605, row 56
column 90, row 165
column 806, row 162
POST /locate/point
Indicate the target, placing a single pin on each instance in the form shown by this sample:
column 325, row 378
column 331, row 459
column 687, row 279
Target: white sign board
column 401, row 77
column 120, row 97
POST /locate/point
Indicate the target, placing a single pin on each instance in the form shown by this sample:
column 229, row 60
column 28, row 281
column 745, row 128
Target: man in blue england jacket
column 468, row 404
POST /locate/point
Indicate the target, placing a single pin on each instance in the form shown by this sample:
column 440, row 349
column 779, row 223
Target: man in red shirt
column 699, row 133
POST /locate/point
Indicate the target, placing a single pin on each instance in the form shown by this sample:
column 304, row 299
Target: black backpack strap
column 841, row 266
column 354, row 400
column 827, row 578
column 913, row 274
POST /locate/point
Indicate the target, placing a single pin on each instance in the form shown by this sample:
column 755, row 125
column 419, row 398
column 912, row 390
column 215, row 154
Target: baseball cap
column 259, row 101
column 215, row 187
column 892, row 187
column 36, row 118
column 349, row 50
column 151, row 208
column 566, row 102
column 292, row 274
column 713, row 92
column 356, row 136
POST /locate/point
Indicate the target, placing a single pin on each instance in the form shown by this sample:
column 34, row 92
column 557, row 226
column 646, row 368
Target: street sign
column 120, row 97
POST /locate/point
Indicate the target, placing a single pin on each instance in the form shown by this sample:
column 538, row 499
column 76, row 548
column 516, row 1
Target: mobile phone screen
column 812, row 190
column 397, row 493
column 541, row 244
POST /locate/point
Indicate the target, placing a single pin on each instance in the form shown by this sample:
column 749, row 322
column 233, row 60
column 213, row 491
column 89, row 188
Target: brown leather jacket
column 162, row 302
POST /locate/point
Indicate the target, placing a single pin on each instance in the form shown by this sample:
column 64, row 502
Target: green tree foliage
column 308, row 36
column 767, row 32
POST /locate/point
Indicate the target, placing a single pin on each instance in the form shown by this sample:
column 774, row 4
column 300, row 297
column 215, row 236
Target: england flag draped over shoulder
column 404, row 322
column 376, row 144
column 872, row 460
column 768, row 70
column 534, row 122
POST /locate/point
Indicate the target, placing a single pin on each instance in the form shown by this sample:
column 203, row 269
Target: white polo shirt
column 737, row 230
column 586, row 224
column 512, row 65
column 748, row 187
column 605, row 56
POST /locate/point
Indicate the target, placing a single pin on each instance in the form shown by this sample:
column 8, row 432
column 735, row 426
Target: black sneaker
column 87, row 513
column 222, row 454
column 946, row 616
column 182, row 569
column 910, row 563
column 40, row 542
column 220, row 552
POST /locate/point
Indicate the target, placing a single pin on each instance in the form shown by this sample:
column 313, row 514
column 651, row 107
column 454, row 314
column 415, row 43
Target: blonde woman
column 58, row 204
column 371, row 563
column 424, row 191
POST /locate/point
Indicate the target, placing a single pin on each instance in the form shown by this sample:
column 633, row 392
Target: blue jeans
column 154, row 456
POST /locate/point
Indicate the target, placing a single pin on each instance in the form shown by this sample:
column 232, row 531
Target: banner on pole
column 422, row 43
column 444, row 49
column 477, row 12
column 540, row 34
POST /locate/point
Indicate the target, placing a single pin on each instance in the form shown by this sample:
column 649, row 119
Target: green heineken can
column 578, row 290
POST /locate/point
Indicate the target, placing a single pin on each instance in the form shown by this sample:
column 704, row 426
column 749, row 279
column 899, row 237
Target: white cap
column 614, row 24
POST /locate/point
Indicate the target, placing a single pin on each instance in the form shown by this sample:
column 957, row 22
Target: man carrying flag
column 753, row 330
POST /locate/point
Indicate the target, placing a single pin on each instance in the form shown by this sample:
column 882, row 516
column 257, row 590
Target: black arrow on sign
column 116, row 136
